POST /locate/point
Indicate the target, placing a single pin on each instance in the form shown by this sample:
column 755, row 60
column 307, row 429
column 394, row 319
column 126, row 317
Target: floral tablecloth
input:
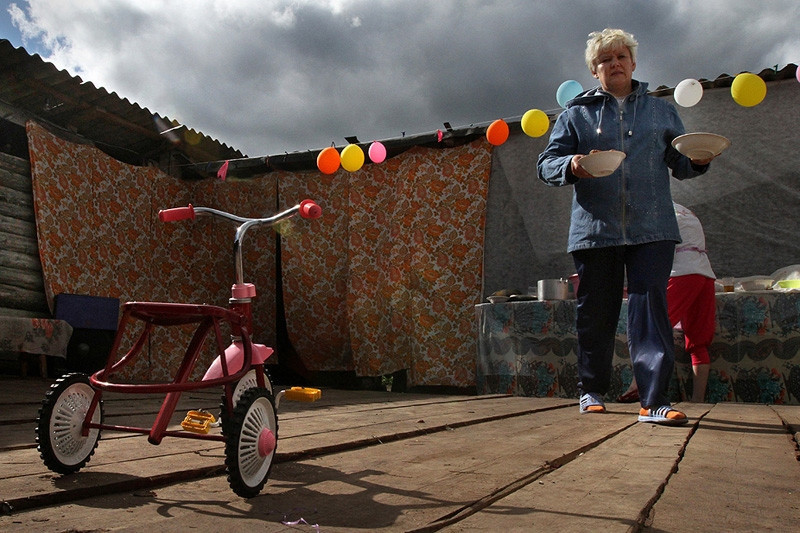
column 528, row 349
column 39, row 336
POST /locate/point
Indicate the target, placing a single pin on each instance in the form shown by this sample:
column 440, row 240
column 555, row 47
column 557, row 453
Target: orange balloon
column 497, row 132
column 328, row 160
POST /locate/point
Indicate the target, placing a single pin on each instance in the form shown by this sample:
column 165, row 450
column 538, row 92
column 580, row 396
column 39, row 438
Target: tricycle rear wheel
column 59, row 426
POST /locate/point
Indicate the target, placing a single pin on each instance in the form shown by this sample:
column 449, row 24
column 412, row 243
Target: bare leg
column 631, row 395
column 699, row 382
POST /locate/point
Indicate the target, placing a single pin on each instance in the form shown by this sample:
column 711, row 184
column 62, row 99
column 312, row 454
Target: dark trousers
column 602, row 273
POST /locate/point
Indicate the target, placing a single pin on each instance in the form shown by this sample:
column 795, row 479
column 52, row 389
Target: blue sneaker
column 591, row 402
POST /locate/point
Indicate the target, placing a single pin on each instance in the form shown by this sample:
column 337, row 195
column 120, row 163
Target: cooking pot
column 552, row 289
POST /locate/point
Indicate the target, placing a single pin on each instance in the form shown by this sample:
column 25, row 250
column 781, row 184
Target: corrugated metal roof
column 725, row 80
column 115, row 125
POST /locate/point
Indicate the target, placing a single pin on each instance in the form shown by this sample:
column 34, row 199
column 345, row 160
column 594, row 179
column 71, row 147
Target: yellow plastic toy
column 198, row 421
column 303, row 394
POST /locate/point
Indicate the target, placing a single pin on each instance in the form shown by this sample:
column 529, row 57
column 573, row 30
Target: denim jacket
column 634, row 204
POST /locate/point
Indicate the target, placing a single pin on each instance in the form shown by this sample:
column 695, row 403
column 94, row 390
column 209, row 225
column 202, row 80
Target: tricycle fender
column 234, row 357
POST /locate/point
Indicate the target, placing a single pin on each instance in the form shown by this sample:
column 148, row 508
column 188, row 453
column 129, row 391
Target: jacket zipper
column 624, row 192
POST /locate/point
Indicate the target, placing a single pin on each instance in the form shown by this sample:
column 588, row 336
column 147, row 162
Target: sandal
column 665, row 415
column 591, row 402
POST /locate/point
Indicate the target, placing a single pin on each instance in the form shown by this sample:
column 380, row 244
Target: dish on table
column 600, row 164
column 756, row 284
column 497, row 299
column 701, row 145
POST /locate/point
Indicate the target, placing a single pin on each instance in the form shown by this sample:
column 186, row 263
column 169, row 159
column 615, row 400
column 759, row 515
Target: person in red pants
column 691, row 301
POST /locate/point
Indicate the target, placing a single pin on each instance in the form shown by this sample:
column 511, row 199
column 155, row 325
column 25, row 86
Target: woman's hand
column 576, row 168
column 702, row 162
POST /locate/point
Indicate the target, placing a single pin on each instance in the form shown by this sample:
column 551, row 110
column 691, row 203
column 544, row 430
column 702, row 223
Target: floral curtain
column 391, row 276
column 99, row 235
column 386, row 280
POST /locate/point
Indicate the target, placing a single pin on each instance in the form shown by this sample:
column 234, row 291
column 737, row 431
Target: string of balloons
column 747, row 90
column 351, row 159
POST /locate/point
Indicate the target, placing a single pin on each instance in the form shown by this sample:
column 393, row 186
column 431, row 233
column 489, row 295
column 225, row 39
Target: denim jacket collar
column 639, row 88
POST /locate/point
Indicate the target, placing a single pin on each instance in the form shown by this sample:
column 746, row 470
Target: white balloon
column 688, row 92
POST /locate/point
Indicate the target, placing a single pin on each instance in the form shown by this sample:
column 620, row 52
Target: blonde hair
column 600, row 41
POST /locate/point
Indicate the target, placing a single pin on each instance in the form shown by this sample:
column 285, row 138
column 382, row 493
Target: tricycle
column 70, row 419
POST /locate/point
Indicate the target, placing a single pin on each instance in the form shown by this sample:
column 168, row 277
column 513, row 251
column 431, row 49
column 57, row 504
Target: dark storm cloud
column 274, row 76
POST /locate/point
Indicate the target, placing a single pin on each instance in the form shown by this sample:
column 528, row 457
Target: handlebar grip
column 176, row 213
column 310, row 209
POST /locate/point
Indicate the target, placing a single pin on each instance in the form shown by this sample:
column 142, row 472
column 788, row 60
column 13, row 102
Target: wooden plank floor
column 373, row 461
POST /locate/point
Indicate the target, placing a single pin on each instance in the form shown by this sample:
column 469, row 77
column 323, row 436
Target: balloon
column 567, row 91
column 797, row 74
column 688, row 92
column 352, row 157
column 328, row 160
column 377, row 152
column 748, row 89
column 535, row 123
column 497, row 132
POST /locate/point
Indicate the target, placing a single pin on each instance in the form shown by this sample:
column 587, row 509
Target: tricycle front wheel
column 249, row 381
column 251, row 436
column 59, row 427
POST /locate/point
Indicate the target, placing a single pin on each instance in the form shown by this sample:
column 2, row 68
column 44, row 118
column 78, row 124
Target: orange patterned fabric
column 314, row 266
column 392, row 275
column 385, row 280
column 99, row 234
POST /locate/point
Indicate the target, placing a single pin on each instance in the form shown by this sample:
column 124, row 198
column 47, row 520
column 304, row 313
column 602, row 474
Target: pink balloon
column 797, row 73
column 377, row 152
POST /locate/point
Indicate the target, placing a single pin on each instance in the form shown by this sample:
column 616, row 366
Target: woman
column 622, row 224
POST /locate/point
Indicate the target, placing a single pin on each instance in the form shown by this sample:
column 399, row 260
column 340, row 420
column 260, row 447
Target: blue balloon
column 567, row 91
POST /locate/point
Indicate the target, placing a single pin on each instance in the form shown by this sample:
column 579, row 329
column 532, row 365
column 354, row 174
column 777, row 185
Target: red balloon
column 497, row 132
column 328, row 160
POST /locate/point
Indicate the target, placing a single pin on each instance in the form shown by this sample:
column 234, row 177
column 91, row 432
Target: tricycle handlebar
column 176, row 213
column 306, row 209
column 309, row 209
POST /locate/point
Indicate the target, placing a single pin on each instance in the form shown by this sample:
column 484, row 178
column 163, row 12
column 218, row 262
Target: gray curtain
column 748, row 202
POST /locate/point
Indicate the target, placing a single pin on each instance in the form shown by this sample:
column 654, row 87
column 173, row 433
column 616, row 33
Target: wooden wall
column 21, row 284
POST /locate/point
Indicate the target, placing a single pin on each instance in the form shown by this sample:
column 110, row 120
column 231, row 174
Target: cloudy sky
column 275, row 76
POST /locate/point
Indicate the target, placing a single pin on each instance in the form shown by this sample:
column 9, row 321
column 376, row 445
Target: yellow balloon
column 535, row 123
column 352, row 157
column 748, row 89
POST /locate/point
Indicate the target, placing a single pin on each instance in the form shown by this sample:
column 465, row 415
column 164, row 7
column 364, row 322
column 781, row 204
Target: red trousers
column 692, row 302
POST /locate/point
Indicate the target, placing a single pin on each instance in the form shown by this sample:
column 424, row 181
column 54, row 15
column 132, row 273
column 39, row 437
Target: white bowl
column 497, row 299
column 756, row 284
column 600, row 164
column 700, row 145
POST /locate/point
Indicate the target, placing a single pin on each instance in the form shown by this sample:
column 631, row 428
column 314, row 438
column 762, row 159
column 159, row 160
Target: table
column 528, row 348
column 37, row 336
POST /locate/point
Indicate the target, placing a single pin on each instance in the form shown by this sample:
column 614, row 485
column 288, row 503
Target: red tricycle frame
column 71, row 417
